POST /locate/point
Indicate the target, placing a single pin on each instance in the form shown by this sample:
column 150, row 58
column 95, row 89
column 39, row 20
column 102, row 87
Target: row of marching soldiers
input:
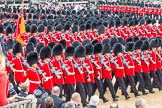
column 88, row 67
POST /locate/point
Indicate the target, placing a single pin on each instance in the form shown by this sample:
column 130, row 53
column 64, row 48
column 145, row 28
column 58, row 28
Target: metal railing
column 22, row 104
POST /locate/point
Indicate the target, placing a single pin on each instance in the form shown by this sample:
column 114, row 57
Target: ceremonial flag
column 20, row 30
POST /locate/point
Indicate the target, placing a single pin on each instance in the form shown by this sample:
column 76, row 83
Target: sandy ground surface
column 152, row 100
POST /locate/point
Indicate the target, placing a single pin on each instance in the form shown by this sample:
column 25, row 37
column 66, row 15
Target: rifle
column 40, row 72
column 63, row 37
column 125, row 62
column 76, row 66
column 93, row 62
column 25, row 63
column 134, row 58
column 71, row 36
column 112, row 60
column 87, row 69
column 65, row 68
column 46, row 37
column 104, row 63
column 152, row 61
column 53, row 70
column 159, row 56
column 8, row 64
column 79, row 37
column 142, row 57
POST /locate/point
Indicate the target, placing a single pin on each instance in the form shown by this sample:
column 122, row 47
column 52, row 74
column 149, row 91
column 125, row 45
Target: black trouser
column 60, row 86
column 11, row 79
column 141, row 86
column 155, row 79
column 120, row 82
column 88, row 88
column 49, row 92
column 130, row 80
column 98, row 85
column 108, row 83
column 148, row 81
column 159, row 74
column 70, row 91
column 80, row 89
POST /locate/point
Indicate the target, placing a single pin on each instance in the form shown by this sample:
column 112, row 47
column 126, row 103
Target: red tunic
column 107, row 72
column 148, row 31
column 57, row 66
column 41, row 38
column 154, row 31
column 47, row 85
column 158, row 61
column 18, row 67
column 145, row 67
column 142, row 31
column 89, row 66
column 125, row 32
column 137, row 65
column 153, row 63
column 119, row 71
column 79, row 76
column 160, row 31
column 34, row 80
column 10, row 59
column 129, row 71
column 69, row 79
column 68, row 41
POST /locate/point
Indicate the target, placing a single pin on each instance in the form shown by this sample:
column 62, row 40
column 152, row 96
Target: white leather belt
column 35, row 82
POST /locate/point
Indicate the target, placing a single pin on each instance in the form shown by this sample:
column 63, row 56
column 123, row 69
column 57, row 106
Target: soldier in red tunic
column 159, row 28
column 79, row 73
column 88, row 70
column 45, row 54
column 138, row 68
column 147, row 28
column 34, row 30
column 40, row 37
column 152, row 59
column 145, row 66
column 129, row 67
column 66, row 34
column 98, row 71
column 153, row 28
column 142, row 28
column 69, row 72
column 119, row 70
column 32, row 74
column 107, row 71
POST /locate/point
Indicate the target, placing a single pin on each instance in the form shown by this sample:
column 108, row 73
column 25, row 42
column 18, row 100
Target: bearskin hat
column 66, row 27
column 97, row 48
column 146, row 45
column 113, row 41
column 69, row 51
column 95, row 41
column 80, row 51
column 85, row 41
column 148, row 21
column 117, row 48
column 117, row 23
column 160, row 20
column 32, row 58
column 131, row 23
column 75, row 44
column 138, row 44
column 39, row 46
column 94, row 25
column 9, row 29
column 33, row 40
column 160, row 42
column 154, row 43
column 51, row 44
column 17, row 48
column 135, row 22
column 27, row 27
column 135, row 38
column 63, row 43
column 1, row 28
column 45, row 52
column 9, row 44
column 57, row 50
column 41, row 28
column 88, row 26
column 125, row 23
column 105, row 41
column 142, row 21
column 29, row 47
column 111, row 23
column 74, row 29
column 121, row 40
column 129, row 39
column 59, row 27
column 49, row 28
column 89, row 49
column 106, row 48
column 101, row 29
column 82, row 27
column 129, row 47
column 33, row 28
column 153, row 21
column 143, row 38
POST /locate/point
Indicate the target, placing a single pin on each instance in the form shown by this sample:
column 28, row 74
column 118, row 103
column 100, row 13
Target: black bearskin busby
column 148, row 21
column 9, row 30
column 49, row 28
column 129, row 47
column 97, row 48
column 33, row 28
column 136, row 38
column 138, row 45
column 82, row 27
column 89, row 49
column 146, row 45
column 95, row 41
column 88, row 26
column 66, row 27
column 105, row 41
column 85, row 41
column 17, row 48
column 39, row 47
column 27, row 27
column 80, row 51
column 33, row 40
column 69, row 51
column 29, row 47
column 9, row 44
column 1, row 28
column 41, row 28
column 101, row 29
column 121, row 40
column 117, row 48
column 59, row 27
column 57, row 50
column 32, row 58
column 113, row 41
column 74, row 29
column 63, row 43
column 51, row 44
column 75, row 44
column 129, row 39
column 45, row 52
column 154, row 43
column 106, row 48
